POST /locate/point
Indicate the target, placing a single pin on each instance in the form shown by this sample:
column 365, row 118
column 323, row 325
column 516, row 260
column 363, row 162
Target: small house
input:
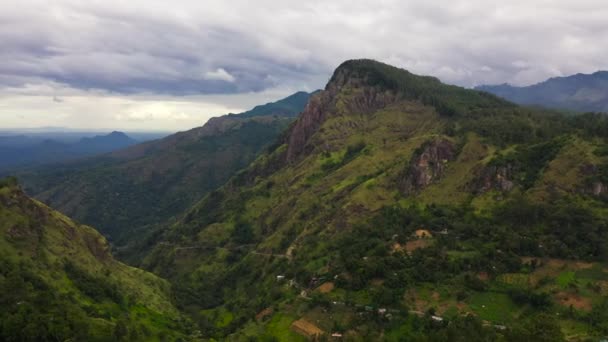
column 437, row 318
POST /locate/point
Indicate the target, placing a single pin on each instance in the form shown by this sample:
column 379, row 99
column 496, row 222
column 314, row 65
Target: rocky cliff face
column 427, row 165
column 594, row 184
column 346, row 93
column 493, row 177
column 599, row 189
column 310, row 120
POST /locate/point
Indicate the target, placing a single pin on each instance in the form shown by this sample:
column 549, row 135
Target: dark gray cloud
column 126, row 50
column 174, row 47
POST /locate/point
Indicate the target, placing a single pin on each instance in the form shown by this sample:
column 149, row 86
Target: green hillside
column 400, row 208
column 128, row 191
column 58, row 282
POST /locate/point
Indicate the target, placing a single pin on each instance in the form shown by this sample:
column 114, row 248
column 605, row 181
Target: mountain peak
column 380, row 74
column 364, row 86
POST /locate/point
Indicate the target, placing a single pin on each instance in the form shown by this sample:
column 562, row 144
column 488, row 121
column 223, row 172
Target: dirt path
column 270, row 254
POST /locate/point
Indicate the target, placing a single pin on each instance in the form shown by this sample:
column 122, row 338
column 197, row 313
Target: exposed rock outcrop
column 98, row 246
column 594, row 185
column 310, row 120
column 360, row 98
column 598, row 189
column 494, row 177
column 427, row 165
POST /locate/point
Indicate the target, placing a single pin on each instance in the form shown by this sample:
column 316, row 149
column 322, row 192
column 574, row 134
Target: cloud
column 53, row 105
column 140, row 46
column 219, row 75
column 243, row 48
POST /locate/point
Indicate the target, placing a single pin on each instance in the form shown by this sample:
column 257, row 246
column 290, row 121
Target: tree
column 243, row 233
column 541, row 328
column 120, row 330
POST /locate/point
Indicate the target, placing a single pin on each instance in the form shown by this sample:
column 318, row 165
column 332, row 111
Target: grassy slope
column 69, row 268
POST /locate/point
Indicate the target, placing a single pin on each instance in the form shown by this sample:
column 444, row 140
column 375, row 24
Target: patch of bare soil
column 582, row 265
column 577, row 302
column 397, row 247
column 326, row 287
column 483, row 276
column 263, row 314
column 377, row 282
column 413, row 245
column 603, row 284
column 414, row 301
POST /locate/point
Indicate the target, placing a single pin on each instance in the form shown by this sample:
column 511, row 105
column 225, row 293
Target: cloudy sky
column 170, row 65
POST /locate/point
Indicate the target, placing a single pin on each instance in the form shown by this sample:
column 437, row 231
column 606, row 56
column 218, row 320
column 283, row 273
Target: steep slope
column 391, row 199
column 126, row 191
column 580, row 92
column 59, row 282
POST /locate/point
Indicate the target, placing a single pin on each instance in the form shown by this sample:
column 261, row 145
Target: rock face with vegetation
column 400, row 208
column 428, row 165
column 494, row 177
column 360, row 100
column 59, row 282
column 129, row 191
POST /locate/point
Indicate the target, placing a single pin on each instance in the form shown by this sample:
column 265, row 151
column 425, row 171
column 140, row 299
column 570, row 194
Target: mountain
column 398, row 208
column 59, row 282
column 14, row 140
column 103, row 143
column 290, row 106
column 130, row 190
column 16, row 152
column 579, row 93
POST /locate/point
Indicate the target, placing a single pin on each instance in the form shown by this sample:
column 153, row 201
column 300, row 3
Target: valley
column 131, row 190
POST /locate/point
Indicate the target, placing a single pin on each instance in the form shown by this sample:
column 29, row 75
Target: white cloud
column 219, row 75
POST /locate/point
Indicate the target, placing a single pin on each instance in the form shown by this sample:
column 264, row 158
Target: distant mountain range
column 20, row 150
column 129, row 189
column 580, row 92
